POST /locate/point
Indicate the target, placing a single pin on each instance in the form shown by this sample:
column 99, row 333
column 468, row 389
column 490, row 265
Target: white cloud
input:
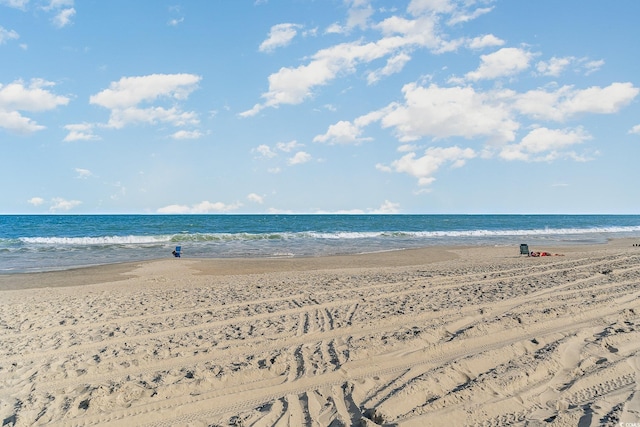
column 359, row 14
column 122, row 117
column 63, row 18
column 394, row 65
column 425, row 167
column 255, row 198
column 130, row 91
column 566, row 101
column 63, row 10
column 555, row 66
column 507, row 61
column 31, row 97
column 446, row 112
column 293, row 85
column 58, row 4
column 200, row 208
column 35, row 201
column 488, row 40
column 299, row 158
column 543, row 144
column 7, row 35
column 83, row 173
column 264, row 150
column 187, row 134
column 387, row 208
column 345, row 132
column 280, row 35
column 635, row 129
column 592, row 66
column 466, row 16
column 287, row 147
column 17, row 4
column 15, row 122
column 59, row 204
column 16, row 97
column 357, row 17
column 80, row 132
column 334, row 28
column 419, row 7
column 124, row 97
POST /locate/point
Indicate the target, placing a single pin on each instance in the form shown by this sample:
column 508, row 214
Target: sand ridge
column 473, row 336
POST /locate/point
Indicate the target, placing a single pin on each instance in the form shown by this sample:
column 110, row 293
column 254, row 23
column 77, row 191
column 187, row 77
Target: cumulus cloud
column 357, row 17
column 7, row 35
column 495, row 116
column 83, row 173
column 299, row 158
column 592, row 66
column 264, row 150
column 280, row 35
column 394, row 65
column 130, row 91
column 255, row 198
column 187, row 134
column 419, row 7
column 566, row 101
column 128, row 116
column 18, row 4
column 287, row 147
column 507, row 61
column 80, row 132
column 554, row 66
column 345, row 132
column 481, row 42
column 387, row 208
column 63, row 12
column 35, row 201
column 128, row 99
column 63, row 17
column 30, row 97
column 200, row 208
column 58, row 204
column 464, row 15
column 293, row 85
column 543, row 144
column 424, row 168
column 33, row 97
column 635, row 129
column 445, row 112
column 268, row 152
column 13, row 121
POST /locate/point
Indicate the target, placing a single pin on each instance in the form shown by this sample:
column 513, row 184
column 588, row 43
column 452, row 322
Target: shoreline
column 78, row 276
column 474, row 335
column 101, row 273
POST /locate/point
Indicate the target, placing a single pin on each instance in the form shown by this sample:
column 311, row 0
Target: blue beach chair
column 177, row 252
column 524, row 249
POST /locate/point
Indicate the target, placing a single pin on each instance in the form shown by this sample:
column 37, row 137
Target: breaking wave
column 338, row 235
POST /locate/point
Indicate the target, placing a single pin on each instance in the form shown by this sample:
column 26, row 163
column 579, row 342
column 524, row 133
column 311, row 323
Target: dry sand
column 440, row 336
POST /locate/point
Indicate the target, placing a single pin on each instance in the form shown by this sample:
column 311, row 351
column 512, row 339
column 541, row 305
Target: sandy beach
column 428, row 337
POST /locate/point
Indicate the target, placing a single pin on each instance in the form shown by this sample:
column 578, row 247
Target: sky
column 319, row 106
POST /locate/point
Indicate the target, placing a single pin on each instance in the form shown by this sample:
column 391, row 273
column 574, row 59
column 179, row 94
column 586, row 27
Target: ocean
column 31, row 243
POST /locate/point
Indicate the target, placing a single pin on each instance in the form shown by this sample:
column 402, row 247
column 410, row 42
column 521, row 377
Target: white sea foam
column 91, row 241
column 333, row 236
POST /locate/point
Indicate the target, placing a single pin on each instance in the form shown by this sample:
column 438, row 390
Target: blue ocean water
column 51, row 242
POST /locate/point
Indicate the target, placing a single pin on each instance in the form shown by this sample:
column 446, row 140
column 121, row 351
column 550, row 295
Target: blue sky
column 331, row 106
